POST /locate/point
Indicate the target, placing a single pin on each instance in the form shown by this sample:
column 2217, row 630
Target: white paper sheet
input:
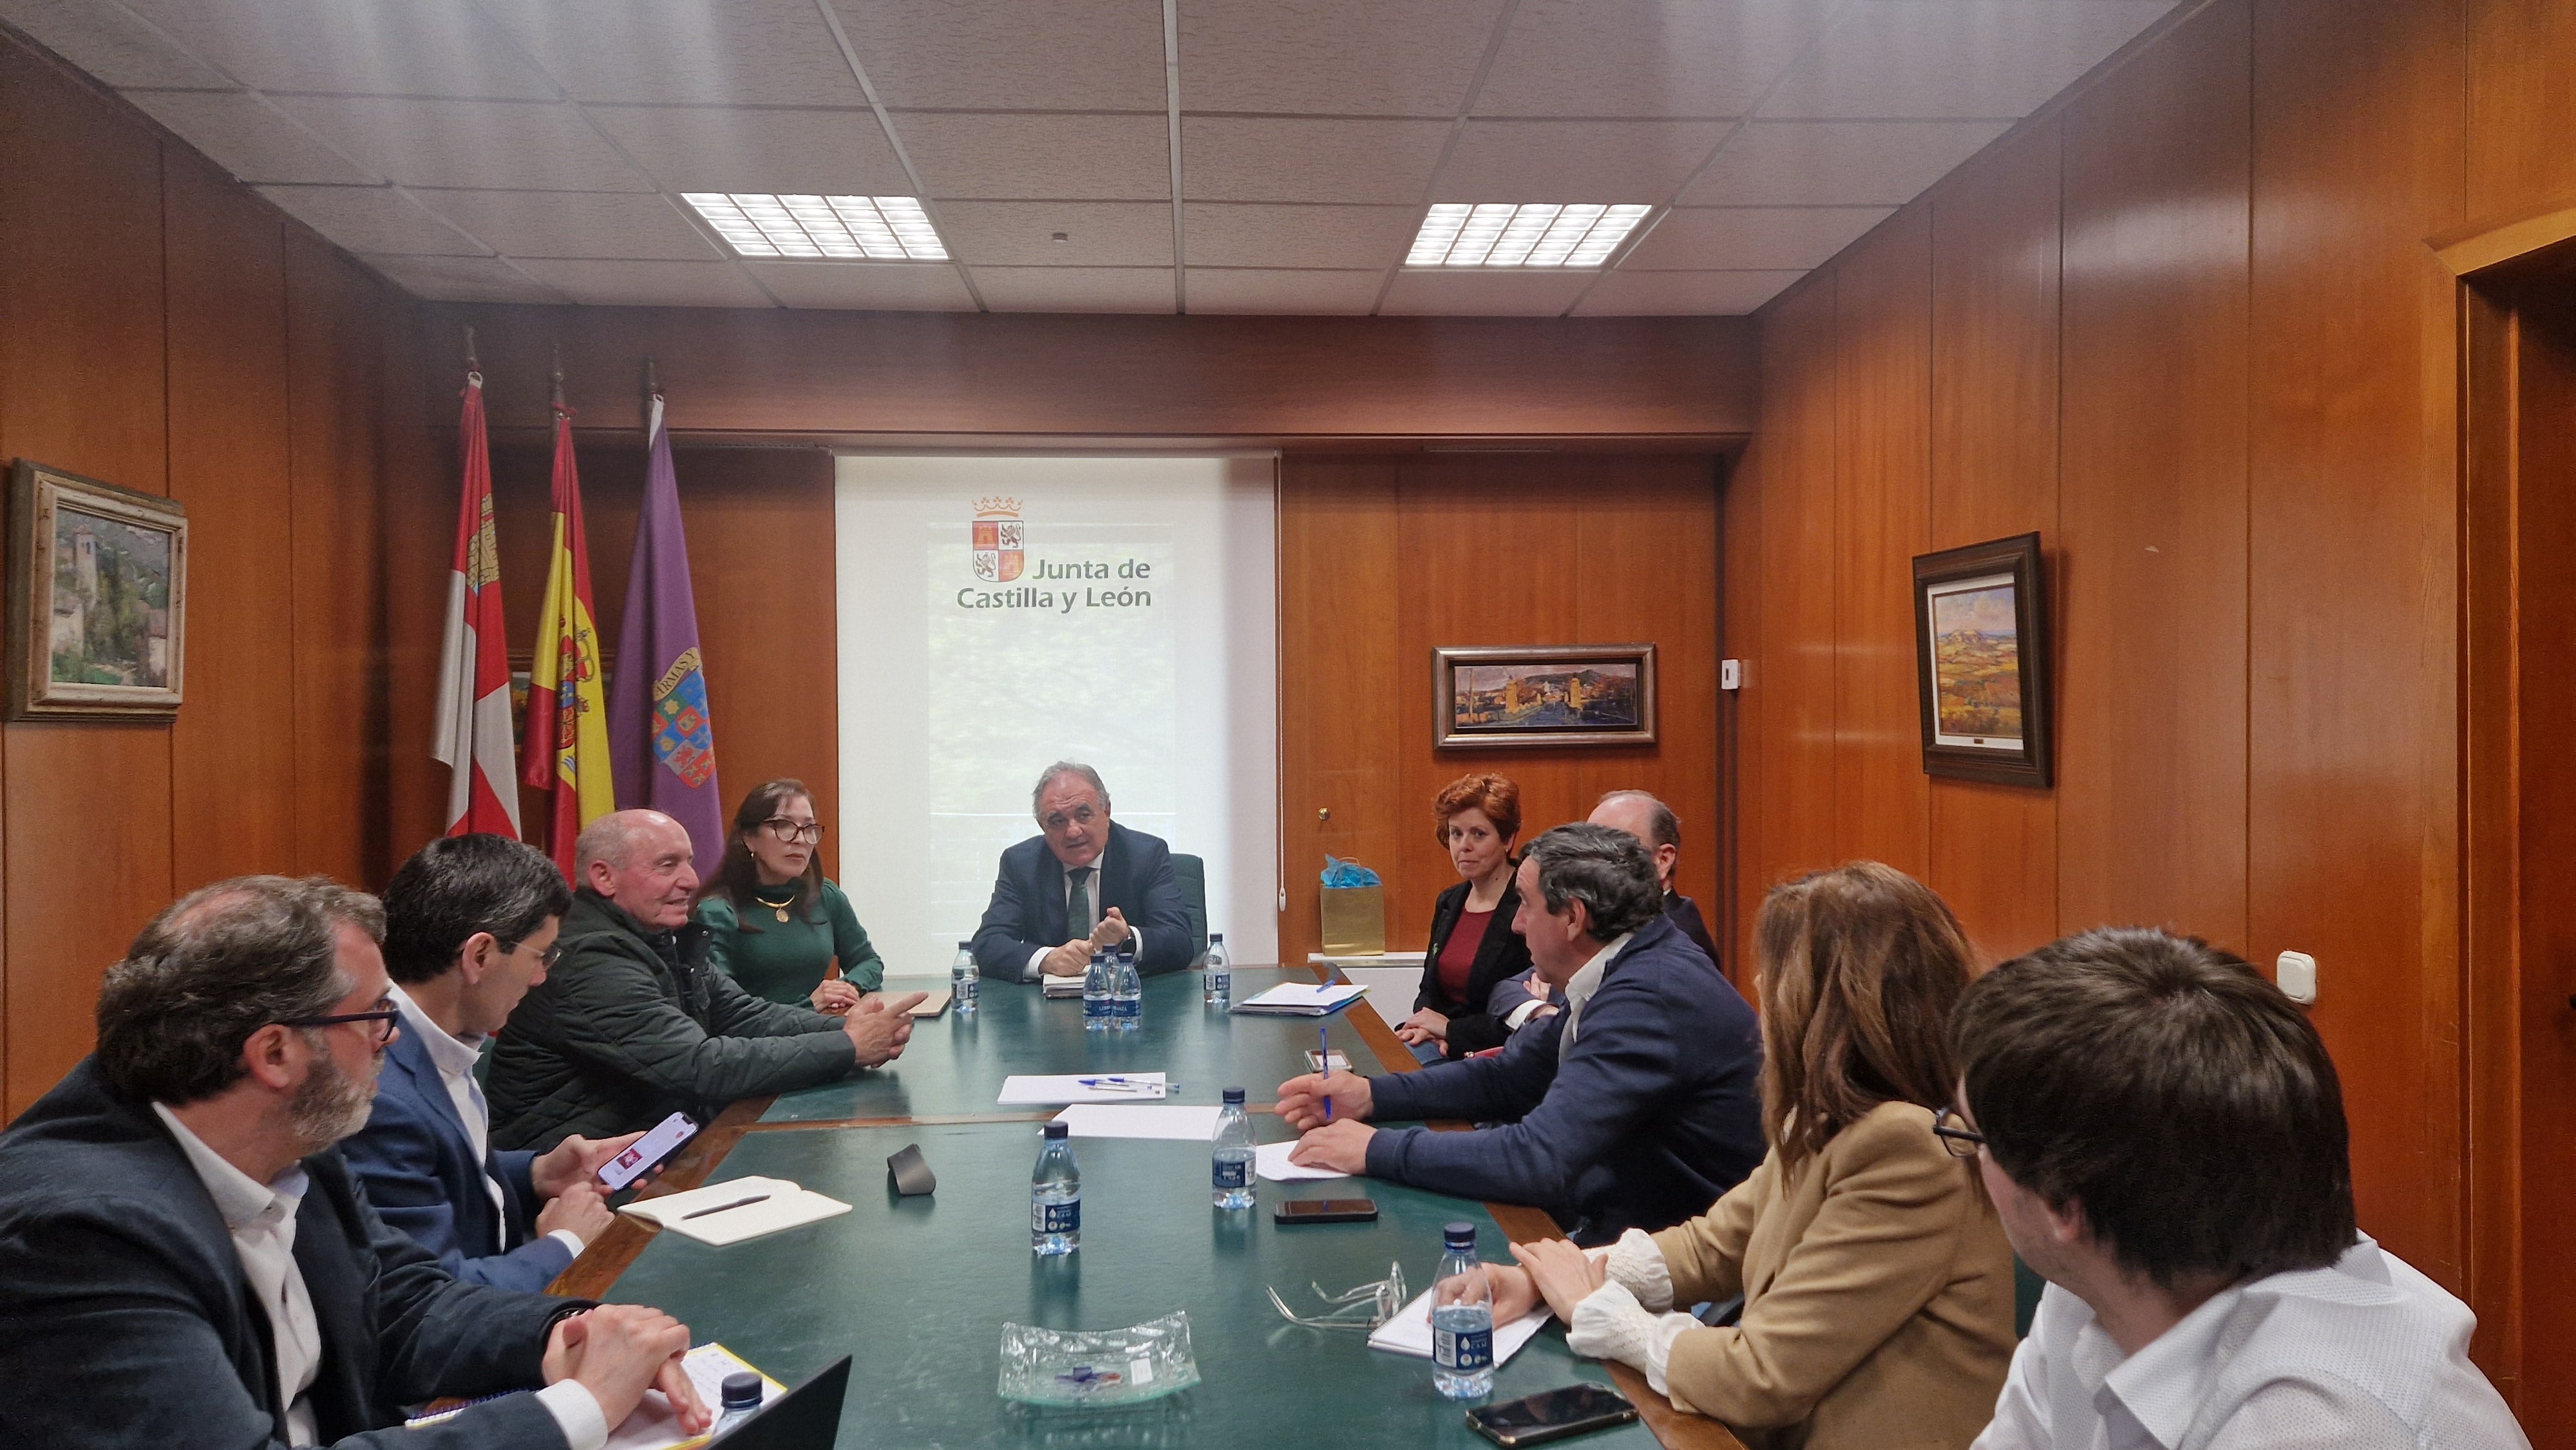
column 1270, row 1160
column 1409, row 1332
column 1020, row 1091
column 1129, row 1120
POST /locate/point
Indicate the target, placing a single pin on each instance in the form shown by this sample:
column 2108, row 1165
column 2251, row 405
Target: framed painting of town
column 1594, row 694
column 98, row 597
column 1981, row 652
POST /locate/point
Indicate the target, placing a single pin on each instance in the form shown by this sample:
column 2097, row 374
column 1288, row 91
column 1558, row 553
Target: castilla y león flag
column 473, row 663
column 658, row 731
column 567, row 741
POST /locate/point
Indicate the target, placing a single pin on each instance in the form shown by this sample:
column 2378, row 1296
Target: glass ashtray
column 1098, row 1367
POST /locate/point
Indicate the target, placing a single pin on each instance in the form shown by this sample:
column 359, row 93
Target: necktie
column 1077, row 907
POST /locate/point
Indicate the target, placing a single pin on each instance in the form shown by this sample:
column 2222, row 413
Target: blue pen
column 1324, row 1058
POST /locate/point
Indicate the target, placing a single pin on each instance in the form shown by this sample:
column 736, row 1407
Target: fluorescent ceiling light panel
column 879, row 228
column 1522, row 234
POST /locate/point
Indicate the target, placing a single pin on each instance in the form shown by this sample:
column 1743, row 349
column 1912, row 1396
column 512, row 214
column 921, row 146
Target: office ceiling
column 1208, row 156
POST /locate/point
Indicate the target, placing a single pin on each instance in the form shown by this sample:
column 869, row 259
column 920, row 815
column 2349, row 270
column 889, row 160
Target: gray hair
column 1607, row 870
column 610, row 840
column 1663, row 828
column 1057, row 771
column 214, row 967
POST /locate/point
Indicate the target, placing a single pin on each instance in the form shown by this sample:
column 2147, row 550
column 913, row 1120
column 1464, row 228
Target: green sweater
column 784, row 961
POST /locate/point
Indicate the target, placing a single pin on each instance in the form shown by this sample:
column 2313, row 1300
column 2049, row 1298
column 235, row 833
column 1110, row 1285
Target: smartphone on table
column 1325, row 1210
column 1553, row 1415
column 647, row 1153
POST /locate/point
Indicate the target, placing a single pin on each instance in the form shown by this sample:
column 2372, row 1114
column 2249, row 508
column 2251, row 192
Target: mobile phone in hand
column 646, row 1153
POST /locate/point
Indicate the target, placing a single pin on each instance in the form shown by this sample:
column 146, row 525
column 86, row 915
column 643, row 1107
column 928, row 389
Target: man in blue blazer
column 1084, row 883
column 470, row 924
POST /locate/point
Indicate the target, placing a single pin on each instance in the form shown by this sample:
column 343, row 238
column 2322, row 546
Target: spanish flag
column 567, row 743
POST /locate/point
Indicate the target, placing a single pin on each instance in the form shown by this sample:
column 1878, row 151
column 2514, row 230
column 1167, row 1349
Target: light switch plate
column 2297, row 974
column 1730, row 674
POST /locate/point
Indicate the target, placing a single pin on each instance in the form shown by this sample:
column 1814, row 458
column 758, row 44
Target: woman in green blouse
column 777, row 923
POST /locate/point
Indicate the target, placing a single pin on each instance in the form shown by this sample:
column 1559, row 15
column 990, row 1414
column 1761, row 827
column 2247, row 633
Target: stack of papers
column 1129, row 1120
column 1293, row 1000
column 743, row 1208
column 1062, row 986
column 1409, row 1332
column 1021, row 1091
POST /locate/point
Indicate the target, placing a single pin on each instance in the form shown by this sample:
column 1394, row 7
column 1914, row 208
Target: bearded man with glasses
column 1083, row 883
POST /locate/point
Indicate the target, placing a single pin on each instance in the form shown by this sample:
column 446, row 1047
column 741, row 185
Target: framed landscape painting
column 1596, row 694
column 98, row 595
column 1981, row 651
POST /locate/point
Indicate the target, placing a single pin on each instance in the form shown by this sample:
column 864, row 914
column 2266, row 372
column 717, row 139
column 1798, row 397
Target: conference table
column 916, row 1290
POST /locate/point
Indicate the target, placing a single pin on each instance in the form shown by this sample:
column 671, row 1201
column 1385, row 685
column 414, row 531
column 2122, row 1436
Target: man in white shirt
column 470, row 925
column 185, row 1258
column 2163, row 1135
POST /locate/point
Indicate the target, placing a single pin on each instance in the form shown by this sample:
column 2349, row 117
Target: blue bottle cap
column 1460, row 1235
column 1234, row 1097
column 1055, row 1131
column 741, row 1391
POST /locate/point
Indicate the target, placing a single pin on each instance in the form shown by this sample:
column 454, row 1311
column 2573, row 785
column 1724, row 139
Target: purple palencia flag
column 659, row 735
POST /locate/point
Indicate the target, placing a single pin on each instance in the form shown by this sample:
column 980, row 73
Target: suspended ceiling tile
column 1076, row 289
column 1836, row 163
column 375, row 219
column 1286, row 293
column 1930, row 59
column 1610, row 161
column 733, row 148
column 1225, row 158
column 1333, row 57
column 1475, row 292
column 110, row 43
column 867, row 286
column 521, row 145
column 1045, row 156
column 462, row 279
column 1760, row 238
column 1022, row 233
column 1696, row 294
column 637, row 226
column 647, row 284
column 731, row 52
column 1645, row 57
column 248, row 138
column 993, row 55
column 415, row 48
column 1226, row 235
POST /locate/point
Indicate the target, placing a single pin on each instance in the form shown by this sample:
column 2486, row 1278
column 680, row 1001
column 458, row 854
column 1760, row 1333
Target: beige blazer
column 1878, row 1297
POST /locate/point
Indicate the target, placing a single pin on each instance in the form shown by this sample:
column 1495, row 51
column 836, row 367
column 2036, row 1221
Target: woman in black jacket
column 1473, row 945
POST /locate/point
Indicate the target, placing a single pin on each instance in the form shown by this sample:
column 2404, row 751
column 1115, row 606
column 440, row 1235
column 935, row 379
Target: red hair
column 1495, row 795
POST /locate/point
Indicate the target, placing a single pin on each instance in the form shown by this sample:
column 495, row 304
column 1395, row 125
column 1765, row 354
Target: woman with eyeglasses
column 1877, row 1285
column 777, row 924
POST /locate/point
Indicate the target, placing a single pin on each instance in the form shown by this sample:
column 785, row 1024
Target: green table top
column 955, row 1064
column 917, row 1291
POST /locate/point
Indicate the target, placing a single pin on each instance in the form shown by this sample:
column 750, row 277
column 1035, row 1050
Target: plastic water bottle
column 1055, row 1198
column 1099, row 986
column 1230, row 1169
column 741, row 1401
column 963, row 979
column 1462, row 1328
column 1219, row 982
column 1127, row 995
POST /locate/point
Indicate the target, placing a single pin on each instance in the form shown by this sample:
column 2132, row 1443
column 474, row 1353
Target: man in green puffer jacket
column 631, row 1025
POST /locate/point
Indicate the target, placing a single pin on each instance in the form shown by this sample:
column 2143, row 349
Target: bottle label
column 1462, row 1350
column 1055, row 1218
column 1230, row 1175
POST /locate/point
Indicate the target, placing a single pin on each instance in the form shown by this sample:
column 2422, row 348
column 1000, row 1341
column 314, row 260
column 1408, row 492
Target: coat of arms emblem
column 999, row 537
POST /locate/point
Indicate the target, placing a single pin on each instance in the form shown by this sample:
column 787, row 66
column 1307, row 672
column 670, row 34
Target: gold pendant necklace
column 777, row 906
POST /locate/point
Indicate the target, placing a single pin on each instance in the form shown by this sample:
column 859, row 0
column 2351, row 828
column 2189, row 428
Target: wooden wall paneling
column 2521, row 110
column 416, row 469
column 1995, row 275
column 233, row 806
column 1745, row 744
column 1792, row 692
column 1340, row 680
column 1882, row 502
column 2352, row 793
column 85, row 807
column 2151, row 544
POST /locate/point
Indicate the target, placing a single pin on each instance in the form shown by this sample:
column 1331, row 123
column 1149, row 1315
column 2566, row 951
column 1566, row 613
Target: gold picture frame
column 1542, row 695
column 98, row 599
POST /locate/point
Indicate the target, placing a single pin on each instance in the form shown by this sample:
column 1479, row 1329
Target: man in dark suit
column 470, row 925
column 185, row 1258
column 1084, row 884
column 1653, row 822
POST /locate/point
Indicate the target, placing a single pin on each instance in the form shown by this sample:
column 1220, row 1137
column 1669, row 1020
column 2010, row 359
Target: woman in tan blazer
column 1878, row 1288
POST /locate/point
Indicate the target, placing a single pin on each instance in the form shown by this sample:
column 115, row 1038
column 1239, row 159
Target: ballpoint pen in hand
column 1324, row 1058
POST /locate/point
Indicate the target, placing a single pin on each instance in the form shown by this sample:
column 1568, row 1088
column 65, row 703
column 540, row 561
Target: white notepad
column 1294, row 999
column 1128, row 1120
column 785, row 1206
column 1409, row 1332
column 655, row 1426
column 1270, row 1160
column 1021, row 1091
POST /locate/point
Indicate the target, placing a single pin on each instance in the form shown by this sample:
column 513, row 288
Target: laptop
column 807, row 1417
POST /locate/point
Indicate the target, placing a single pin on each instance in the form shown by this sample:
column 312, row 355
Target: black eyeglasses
column 384, row 1017
column 1962, row 1142
column 794, row 831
